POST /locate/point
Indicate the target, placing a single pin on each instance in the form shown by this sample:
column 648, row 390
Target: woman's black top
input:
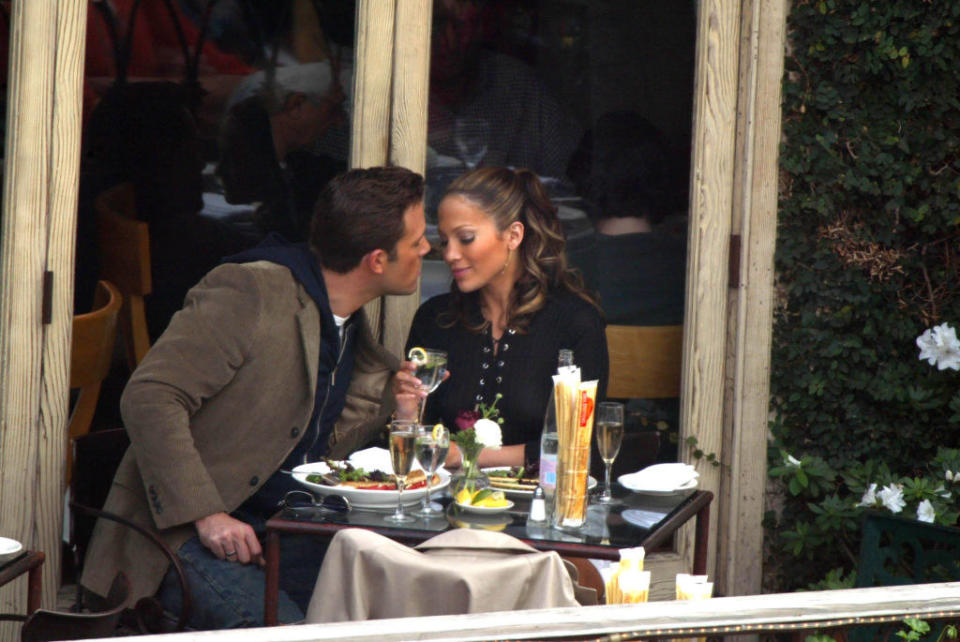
column 521, row 369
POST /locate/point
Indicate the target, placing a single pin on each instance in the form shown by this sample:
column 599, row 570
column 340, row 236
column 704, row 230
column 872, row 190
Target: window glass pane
column 202, row 120
column 596, row 99
column 212, row 111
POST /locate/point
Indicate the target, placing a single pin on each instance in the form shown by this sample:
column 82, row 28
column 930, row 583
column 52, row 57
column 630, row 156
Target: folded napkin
column 374, row 458
column 371, row 459
column 660, row 477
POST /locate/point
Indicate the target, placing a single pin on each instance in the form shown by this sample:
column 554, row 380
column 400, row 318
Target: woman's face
column 473, row 248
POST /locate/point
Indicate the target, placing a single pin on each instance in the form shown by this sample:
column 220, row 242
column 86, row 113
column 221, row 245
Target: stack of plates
column 661, row 479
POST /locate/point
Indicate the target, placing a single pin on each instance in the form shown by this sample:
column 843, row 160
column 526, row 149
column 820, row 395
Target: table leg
column 34, row 589
column 701, row 539
column 272, row 587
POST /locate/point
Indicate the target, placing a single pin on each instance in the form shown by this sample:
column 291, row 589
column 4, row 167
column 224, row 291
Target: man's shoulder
column 265, row 271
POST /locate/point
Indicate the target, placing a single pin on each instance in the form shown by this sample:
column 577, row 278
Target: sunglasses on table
column 301, row 502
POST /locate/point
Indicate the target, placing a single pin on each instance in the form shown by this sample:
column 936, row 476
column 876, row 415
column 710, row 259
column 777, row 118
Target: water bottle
column 549, row 440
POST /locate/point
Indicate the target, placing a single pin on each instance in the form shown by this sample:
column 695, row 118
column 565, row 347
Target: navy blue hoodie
column 334, row 372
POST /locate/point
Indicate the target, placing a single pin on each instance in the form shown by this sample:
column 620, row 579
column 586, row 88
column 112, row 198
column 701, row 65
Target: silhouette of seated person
column 265, row 138
column 526, row 127
column 631, row 261
column 143, row 133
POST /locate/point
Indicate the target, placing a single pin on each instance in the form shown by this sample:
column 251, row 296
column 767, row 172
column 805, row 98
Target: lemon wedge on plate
column 417, row 355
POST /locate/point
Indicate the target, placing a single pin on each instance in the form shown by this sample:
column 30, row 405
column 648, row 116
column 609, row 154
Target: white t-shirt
column 340, row 321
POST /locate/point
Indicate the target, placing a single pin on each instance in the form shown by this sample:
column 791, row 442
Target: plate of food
column 363, row 488
column 513, row 481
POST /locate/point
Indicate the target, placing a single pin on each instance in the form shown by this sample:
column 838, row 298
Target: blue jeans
column 228, row 595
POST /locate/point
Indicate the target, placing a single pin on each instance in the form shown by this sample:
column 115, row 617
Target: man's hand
column 229, row 539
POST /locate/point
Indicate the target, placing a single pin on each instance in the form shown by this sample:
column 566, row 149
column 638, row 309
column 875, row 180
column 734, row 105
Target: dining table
column 632, row 520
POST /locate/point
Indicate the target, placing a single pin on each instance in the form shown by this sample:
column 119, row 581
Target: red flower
column 467, row 418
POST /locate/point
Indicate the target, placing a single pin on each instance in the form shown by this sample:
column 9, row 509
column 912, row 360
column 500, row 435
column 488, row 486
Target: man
column 273, row 121
column 269, row 364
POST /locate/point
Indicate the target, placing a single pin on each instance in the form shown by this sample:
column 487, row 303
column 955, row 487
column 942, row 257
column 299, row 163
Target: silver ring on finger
column 231, row 554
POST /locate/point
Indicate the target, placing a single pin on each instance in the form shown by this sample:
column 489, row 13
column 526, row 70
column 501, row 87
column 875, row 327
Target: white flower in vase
column 488, row 433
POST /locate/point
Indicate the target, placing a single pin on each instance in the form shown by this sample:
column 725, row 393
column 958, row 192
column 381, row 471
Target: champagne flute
column 403, row 434
column 431, row 368
column 431, row 449
column 609, row 437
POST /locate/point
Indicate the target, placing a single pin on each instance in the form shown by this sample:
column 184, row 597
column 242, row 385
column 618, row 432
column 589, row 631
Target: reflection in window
column 212, row 111
column 596, row 98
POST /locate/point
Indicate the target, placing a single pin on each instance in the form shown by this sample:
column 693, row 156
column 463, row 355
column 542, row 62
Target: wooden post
column 370, row 112
column 408, row 133
column 38, row 231
column 740, row 535
column 711, row 202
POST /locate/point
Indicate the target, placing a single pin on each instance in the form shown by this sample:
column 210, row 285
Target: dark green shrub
column 868, row 253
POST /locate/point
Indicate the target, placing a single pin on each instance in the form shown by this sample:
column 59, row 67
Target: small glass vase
column 470, row 477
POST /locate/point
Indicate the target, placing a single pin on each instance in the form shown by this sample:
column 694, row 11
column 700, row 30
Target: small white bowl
column 9, row 549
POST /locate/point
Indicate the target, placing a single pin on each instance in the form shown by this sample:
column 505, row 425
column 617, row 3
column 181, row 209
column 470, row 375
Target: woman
column 512, row 306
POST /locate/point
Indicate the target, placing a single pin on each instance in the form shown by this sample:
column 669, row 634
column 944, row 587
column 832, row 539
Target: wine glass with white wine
column 403, row 436
column 431, row 368
column 609, row 437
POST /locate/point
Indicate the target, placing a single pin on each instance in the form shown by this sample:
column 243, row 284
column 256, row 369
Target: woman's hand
column 407, row 391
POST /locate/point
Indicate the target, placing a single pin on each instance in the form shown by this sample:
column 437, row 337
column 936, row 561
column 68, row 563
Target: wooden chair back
column 586, row 576
column 124, row 244
column 44, row 625
column 644, row 361
column 91, row 351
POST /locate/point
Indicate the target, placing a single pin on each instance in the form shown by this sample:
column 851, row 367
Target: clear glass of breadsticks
column 574, row 407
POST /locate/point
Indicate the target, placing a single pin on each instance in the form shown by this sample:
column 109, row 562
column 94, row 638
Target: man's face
column 402, row 272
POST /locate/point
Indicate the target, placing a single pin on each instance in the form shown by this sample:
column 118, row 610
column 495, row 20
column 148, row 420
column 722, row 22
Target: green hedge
column 868, row 254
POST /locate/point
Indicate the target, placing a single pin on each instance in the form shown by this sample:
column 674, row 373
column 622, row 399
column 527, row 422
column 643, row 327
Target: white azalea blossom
column 949, row 475
column 869, row 496
column 792, row 461
column 925, row 512
column 940, row 347
column 488, row 433
column 892, row 497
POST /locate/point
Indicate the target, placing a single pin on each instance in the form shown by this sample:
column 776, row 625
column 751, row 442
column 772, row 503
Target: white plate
column 485, row 510
column 9, row 549
column 361, row 497
column 679, row 490
column 514, row 492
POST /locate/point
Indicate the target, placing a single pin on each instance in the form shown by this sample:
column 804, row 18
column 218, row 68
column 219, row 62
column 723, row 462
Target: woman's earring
column 505, row 263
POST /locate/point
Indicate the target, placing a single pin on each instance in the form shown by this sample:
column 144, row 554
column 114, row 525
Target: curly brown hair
column 508, row 196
